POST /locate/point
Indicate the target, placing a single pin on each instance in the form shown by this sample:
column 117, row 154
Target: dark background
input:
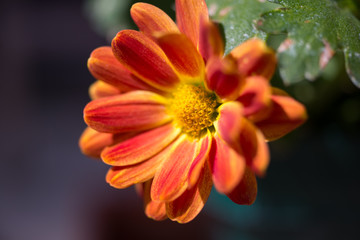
column 50, row 191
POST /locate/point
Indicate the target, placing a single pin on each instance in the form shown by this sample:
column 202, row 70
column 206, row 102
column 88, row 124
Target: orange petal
column 184, row 56
column 125, row 176
column 186, row 207
column 104, row 66
column 242, row 136
column 201, row 153
column 229, row 124
column 151, row 19
column 100, row 89
column 133, row 111
column 188, row 15
column 92, row 142
column 254, row 148
column 286, row 115
column 255, row 58
column 140, row 147
column 226, row 164
column 139, row 188
column 210, row 42
column 255, row 96
column 144, row 58
column 245, row 192
column 223, row 77
column 170, row 180
column 154, row 210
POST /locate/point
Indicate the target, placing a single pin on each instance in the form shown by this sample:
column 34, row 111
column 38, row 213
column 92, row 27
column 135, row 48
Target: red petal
column 286, row 115
column 186, row 207
column 125, row 176
column 133, row 111
column 229, row 124
column 104, row 66
column 223, row 77
column 240, row 134
column 254, row 148
column 188, row 15
column 255, row 97
column 245, row 192
column 210, row 42
column 227, row 166
column 255, row 58
column 154, row 210
column 170, row 180
column 144, row 58
column 140, row 147
column 151, row 19
column 184, row 56
column 201, row 153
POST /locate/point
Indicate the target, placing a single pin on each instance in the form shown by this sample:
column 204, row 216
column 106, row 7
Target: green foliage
column 315, row 30
column 108, row 16
column 239, row 18
column 352, row 5
column 309, row 32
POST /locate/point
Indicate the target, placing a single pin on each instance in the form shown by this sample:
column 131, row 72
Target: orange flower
column 173, row 115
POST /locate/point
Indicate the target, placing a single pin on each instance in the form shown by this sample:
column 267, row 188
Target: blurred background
column 50, row 191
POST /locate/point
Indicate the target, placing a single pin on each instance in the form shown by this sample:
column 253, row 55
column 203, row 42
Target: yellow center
column 193, row 108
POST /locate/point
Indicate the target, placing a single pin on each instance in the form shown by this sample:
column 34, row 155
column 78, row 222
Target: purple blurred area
column 50, row 191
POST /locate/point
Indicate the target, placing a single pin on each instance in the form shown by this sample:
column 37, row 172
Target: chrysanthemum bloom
column 173, row 115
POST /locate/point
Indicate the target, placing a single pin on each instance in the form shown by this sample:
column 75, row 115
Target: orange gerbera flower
column 173, row 115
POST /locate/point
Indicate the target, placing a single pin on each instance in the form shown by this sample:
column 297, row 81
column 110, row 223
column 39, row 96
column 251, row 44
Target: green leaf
column 316, row 29
column 352, row 5
column 239, row 18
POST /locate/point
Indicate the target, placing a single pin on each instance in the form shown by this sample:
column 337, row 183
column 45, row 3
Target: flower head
column 173, row 115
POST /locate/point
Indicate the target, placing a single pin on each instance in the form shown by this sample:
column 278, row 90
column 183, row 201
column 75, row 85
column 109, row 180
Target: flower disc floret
column 193, row 109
